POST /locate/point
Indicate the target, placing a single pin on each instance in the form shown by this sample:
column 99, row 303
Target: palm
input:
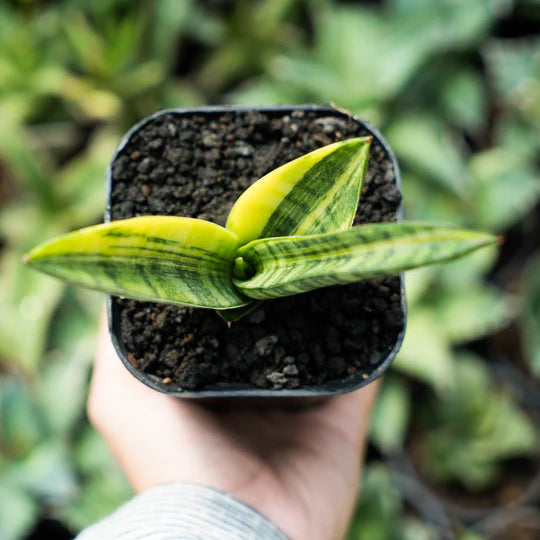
column 298, row 467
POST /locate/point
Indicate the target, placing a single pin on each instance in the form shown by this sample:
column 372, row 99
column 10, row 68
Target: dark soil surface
column 197, row 166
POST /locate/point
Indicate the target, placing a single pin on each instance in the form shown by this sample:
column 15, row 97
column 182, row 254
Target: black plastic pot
column 230, row 390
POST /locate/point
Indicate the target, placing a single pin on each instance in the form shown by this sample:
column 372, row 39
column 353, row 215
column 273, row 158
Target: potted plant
column 269, row 256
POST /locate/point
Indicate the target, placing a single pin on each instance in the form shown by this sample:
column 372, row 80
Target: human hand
column 298, row 467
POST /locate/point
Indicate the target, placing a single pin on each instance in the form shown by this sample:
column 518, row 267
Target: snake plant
column 288, row 233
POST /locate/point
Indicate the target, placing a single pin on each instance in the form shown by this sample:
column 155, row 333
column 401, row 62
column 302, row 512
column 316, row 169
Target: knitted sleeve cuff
column 183, row 512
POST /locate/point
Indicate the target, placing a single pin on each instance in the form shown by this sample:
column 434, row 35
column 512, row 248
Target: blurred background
column 453, row 84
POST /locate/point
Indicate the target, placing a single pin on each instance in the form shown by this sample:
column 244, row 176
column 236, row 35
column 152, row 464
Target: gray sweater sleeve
column 183, row 512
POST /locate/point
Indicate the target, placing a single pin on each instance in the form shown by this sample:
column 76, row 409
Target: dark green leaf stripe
column 292, row 265
column 313, row 194
column 162, row 259
column 319, row 203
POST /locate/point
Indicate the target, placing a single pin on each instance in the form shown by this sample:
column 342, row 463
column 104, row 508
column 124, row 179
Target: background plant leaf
column 471, row 429
column 506, row 180
column 390, row 418
column 426, row 144
column 426, row 353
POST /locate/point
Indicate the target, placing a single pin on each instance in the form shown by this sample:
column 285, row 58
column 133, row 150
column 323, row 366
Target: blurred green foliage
column 381, row 513
column 530, row 319
column 465, row 435
column 455, row 87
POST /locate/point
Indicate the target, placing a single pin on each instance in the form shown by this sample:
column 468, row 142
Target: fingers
column 139, row 424
column 115, row 395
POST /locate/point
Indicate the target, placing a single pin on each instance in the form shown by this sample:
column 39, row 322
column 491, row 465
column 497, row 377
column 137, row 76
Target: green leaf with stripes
column 314, row 194
column 274, row 267
column 157, row 258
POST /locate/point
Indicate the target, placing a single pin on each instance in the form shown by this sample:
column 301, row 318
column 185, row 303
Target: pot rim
column 346, row 384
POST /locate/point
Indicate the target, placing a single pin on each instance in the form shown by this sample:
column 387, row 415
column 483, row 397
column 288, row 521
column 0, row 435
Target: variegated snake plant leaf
column 290, row 232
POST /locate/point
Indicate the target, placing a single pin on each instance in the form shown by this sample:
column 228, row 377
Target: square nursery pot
column 196, row 163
